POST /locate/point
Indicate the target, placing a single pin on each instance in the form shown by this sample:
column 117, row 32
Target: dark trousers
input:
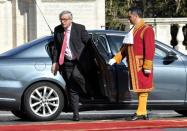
column 75, row 82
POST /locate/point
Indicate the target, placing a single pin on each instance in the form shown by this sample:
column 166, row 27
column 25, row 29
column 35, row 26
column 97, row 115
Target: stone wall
column 88, row 12
column 22, row 20
column 6, row 35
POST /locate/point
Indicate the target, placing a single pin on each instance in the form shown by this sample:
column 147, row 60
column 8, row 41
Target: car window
column 102, row 42
column 38, row 50
column 115, row 42
column 102, row 47
column 35, row 48
column 19, row 49
column 159, row 53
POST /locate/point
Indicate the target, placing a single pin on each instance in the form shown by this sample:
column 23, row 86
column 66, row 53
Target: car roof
column 108, row 32
column 122, row 33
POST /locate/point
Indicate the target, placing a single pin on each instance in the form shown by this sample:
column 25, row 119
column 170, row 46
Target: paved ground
column 7, row 118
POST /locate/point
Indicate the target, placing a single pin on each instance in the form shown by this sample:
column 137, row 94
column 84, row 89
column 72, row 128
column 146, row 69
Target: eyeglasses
column 64, row 19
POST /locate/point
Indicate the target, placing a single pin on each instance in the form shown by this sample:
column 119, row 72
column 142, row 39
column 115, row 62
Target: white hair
column 66, row 12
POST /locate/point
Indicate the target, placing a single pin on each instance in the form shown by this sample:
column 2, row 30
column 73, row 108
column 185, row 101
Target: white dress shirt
column 68, row 52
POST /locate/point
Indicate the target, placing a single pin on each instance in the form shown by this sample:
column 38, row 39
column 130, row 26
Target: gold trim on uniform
column 145, row 90
column 138, row 27
column 133, row 68
column 148, row 64
column 142, row 33
column 139, row 61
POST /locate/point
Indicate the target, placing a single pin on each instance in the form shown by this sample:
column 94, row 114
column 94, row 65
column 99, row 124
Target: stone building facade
column 22, row 20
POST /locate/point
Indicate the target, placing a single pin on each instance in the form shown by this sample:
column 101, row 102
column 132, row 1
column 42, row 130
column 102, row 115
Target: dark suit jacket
column 81, row 44
column 78, row 39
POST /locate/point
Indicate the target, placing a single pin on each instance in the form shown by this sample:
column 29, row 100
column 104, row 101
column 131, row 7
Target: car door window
column 102, row 43
column 103, row 47
column 36, row 50
column 159, row 53
column 115, row 42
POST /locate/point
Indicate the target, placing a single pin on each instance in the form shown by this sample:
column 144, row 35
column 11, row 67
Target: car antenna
column 43, row 16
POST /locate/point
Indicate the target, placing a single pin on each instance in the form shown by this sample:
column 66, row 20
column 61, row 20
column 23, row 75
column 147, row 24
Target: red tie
column 64, row 45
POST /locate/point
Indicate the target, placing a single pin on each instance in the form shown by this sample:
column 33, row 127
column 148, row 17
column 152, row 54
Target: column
column 5, row 25
column 180, row 39
column 14, row 24
column 100, row 14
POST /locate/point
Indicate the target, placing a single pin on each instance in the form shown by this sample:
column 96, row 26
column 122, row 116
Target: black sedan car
column 31, row 91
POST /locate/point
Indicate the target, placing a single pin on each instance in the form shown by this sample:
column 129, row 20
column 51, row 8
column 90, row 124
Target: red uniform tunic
column 139, row 57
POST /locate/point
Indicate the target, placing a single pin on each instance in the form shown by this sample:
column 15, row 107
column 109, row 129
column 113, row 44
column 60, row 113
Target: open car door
column 106, row 73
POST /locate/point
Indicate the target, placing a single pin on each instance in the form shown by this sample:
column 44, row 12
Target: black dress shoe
column 76, row 117
column 138, row 117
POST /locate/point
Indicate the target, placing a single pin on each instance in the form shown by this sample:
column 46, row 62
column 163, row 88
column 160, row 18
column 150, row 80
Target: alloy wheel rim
column 44, row 101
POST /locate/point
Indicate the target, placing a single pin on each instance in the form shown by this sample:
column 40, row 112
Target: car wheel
column 182, row 112
column 20, row 114
column 43, row 101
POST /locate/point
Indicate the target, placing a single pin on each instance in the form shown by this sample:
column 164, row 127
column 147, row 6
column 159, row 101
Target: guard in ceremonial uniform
column 139, row 50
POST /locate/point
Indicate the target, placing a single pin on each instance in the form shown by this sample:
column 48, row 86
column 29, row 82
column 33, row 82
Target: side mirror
column 171, row 56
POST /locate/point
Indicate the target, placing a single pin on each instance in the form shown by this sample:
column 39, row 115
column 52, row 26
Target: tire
column 182, row 112
column 20, row 114
column 43, row 101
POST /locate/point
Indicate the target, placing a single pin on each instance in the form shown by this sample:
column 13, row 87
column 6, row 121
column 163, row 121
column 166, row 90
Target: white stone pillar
column 100, row 16
column 180, row 38
column 5, row 25
column 31, row 21
column 21, row 22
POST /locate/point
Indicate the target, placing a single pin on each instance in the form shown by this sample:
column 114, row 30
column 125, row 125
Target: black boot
column 138, row 117
column 76, row 117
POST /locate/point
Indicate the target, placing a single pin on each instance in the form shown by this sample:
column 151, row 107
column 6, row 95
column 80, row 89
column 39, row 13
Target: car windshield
column 23, row 47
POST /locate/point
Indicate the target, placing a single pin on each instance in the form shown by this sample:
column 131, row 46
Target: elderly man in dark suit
column 70, row 40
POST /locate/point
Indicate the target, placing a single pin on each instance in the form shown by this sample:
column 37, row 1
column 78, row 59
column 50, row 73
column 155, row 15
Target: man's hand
column 147, row 72
column 111, row 61
column 54, row 68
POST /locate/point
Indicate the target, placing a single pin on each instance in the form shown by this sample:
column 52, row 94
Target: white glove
column 147, row 72
column 111, row 61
